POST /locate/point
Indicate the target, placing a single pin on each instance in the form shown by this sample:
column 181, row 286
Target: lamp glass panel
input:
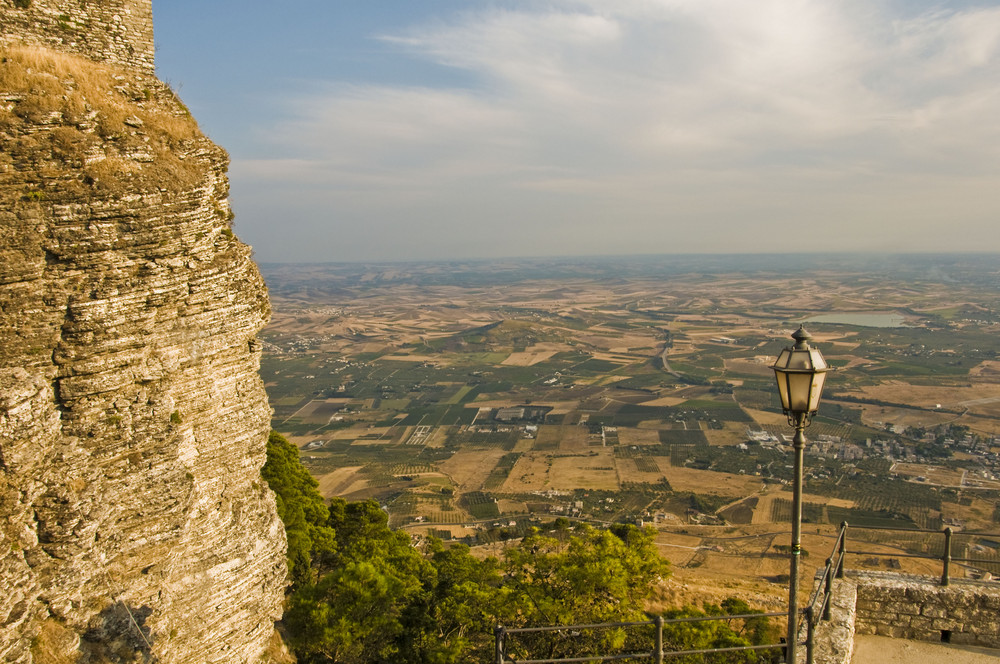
column 799, row 360
column 817, row 390
column 782, row 388
column 818, row 361
column 799, row 387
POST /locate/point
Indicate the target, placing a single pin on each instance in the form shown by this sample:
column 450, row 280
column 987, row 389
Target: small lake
column 861, row 319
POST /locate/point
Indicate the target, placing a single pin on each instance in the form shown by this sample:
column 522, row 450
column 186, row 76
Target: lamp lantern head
column 800, row 372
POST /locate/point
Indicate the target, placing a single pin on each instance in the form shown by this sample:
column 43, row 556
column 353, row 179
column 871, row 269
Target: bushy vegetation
column 112, row 133
column 361, row 592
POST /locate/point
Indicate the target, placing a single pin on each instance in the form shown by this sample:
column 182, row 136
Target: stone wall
column 904, row 606
column 134, row 525
column 113, row 31
column 913, row 607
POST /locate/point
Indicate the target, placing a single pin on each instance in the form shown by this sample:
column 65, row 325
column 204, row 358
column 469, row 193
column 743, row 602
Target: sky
column 399, row 130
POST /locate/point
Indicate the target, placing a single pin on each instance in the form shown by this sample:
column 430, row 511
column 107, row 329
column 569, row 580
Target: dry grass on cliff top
column 70, row 126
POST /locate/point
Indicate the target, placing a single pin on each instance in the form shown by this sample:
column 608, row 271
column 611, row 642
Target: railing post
column 658, row 647
column 843, row 549
column 827, row 589
column 498, row 653
column 810, row 633
column 947, row 556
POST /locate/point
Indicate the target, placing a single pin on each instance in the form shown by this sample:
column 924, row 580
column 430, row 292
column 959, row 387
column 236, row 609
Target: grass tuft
column 115, row 131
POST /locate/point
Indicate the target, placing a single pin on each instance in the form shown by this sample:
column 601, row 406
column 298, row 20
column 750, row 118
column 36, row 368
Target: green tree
column 593, row 576
column 455, row 622
column 300, row 507
column 353, row 614
column 362, row 593
column 360, row 608
column 720, row 633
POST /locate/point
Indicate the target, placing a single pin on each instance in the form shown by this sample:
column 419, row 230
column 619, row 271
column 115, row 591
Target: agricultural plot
column 500, row 472
column 640, row 470
column 406, row 386
column 596, row 471
column 529, row 474
column 931, row 474
column 480, row 505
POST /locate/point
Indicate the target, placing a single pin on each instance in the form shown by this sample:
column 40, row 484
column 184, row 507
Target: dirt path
column 883, row 650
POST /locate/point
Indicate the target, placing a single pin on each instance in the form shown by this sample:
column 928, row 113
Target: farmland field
column 640, row 390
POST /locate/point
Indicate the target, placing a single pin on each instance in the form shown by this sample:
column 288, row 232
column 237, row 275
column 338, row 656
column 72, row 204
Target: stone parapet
column 901, row 606
column 913, row 607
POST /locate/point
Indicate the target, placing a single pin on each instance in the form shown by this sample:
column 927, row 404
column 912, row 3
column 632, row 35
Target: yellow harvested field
column 354, row 486
column 411, row 358
column 530, row 473
column 762, row 513
column 427, row 529
column 512, row 506
column 562, row 407
column 627, row 436
column 468, row 469
column 708, row 481
column 380, row 437
column 973, row 397
column 330, row 485
column 933, row 474
column 300, row 441
column 871, row 414
column 987, row 369
column 614, row 357
column 496, row 403
column 438, row 512
column 665, row 401
column 340, row 434
column 539, row 472
column 764, row 417
column 573, row 439
column 817, row 499
column 584, row 472
column 629, row 471
column 527, row 358
column 732, row 433
column 438, row 437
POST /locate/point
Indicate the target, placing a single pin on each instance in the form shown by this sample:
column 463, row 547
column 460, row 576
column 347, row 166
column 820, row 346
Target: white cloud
column 673, row 110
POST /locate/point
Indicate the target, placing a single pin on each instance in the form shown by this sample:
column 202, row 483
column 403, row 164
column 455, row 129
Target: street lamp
column 800, row 372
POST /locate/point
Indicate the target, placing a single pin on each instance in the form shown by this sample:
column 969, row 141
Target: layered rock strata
column 133, row 522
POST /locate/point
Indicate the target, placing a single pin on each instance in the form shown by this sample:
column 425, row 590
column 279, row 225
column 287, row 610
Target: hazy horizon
column 874, row 255
column 457, row 129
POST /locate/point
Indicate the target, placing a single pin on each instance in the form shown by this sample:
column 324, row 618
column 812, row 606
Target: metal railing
column 815, row 611
column 945, row 554
column 660, row 651
column 818, row 607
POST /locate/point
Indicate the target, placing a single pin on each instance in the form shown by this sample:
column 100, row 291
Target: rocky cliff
column 133, row 522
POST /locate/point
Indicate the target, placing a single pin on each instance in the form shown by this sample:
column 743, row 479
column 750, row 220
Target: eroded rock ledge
column 132, row 417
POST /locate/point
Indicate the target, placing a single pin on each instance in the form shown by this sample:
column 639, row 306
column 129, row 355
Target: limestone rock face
column 133, row 521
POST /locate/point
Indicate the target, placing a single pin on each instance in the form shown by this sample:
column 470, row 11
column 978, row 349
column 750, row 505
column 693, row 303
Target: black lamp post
column 800, row 372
